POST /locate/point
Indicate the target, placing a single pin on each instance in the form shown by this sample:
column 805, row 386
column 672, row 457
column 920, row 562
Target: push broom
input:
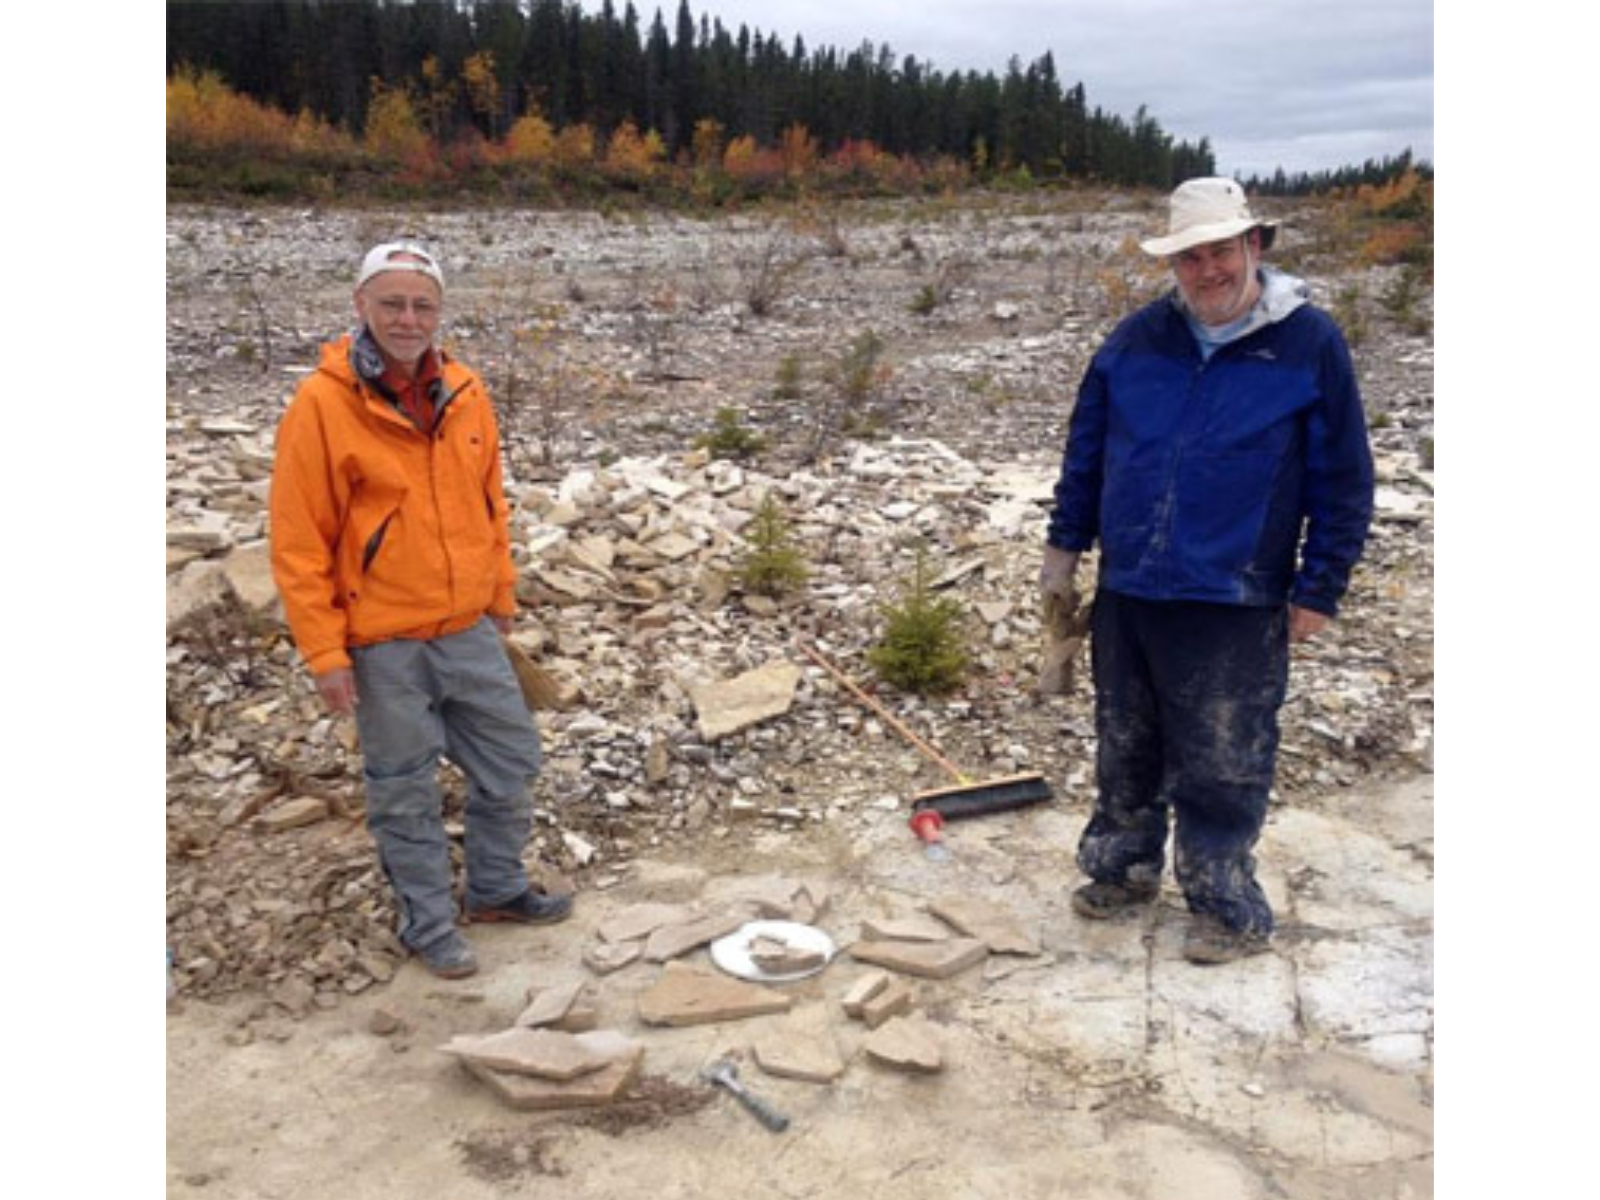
column 968, row 797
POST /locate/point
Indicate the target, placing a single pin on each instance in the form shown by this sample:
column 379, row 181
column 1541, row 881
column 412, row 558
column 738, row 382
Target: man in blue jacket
column 1218, row 453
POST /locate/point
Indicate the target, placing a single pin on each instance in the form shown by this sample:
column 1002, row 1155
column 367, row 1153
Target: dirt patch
column 499, row 1157
column 650, row 1104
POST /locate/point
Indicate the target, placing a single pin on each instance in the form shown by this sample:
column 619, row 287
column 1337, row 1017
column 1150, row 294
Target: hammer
column 724, row 1074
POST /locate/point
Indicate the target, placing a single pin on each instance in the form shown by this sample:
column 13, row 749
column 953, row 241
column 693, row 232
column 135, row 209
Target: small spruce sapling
column 921, row 650
column 729, row 438
column 773, row 564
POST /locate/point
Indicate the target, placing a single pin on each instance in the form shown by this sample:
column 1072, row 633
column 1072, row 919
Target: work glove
column 1066, row 621
column 1056, row 575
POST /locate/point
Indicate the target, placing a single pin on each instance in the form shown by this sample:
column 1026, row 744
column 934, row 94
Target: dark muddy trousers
column 1186, row 715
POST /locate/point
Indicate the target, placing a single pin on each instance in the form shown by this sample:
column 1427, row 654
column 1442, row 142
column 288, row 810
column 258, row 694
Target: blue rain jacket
column 1245, row 479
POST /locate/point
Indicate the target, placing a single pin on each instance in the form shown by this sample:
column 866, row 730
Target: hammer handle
column 762, row 1111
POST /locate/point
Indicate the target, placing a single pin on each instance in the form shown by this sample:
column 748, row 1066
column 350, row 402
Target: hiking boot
column 448, row 957
column 1103, row 900
column 530, row 908
column 1209, row 941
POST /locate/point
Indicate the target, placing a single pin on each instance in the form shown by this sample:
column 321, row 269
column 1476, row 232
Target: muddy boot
column 1209, row 941
column 448, row 957
column 1100, row 901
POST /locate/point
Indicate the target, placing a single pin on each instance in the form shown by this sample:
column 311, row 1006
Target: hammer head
column 722, row 1071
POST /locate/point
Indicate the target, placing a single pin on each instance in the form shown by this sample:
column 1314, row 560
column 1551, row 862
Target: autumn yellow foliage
column 532, row 140
column 393, row 130
column 631, row 155
column 574, row 146
column 798, row 150
column 205, row 113
column 708, row 135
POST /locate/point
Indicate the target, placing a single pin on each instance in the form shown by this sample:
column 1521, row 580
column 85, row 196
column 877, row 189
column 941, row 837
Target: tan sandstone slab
column 906, row 1043
column 893, row 1000
column 561, row 1006
column 641, row 920
column 529, row 1093
column 672, row 940
column 726, row 706
column 800, row 1047
column 931, row 960
column 542, row 1052
column 605, row 957
column 905, row 927
column 862, row 990
column 686, row 995
column 992, row 925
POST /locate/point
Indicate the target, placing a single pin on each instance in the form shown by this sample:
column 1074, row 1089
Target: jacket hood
column 335, row 359
column 1281, row 294
column 355, row 355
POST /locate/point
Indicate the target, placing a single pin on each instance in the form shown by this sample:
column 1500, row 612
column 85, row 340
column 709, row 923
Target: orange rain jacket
column 378, row 530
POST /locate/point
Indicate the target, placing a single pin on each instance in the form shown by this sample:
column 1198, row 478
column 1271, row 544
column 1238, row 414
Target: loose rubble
column 628, row 548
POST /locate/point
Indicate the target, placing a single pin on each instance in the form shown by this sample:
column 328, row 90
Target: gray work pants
column 457, row 696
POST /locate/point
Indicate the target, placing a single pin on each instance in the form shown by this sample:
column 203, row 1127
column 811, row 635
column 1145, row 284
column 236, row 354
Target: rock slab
column 532, row 1094
column 907, row 1044
column 726, row 706
column 686, row 995
column 988, row 922
column 931, row 960
column 800, row 1047
column 542, row 1052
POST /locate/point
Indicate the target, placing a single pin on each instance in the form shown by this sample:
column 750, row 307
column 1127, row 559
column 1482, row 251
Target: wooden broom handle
column 899, row 727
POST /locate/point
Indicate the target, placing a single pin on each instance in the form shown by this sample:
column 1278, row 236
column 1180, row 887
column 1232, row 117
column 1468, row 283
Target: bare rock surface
column 609, row 343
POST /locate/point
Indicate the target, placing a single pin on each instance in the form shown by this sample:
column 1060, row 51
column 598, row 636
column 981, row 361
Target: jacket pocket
column 368, row 541
column 374, row 543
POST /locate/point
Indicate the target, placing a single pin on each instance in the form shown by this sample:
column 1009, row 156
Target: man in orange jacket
column 391, row 549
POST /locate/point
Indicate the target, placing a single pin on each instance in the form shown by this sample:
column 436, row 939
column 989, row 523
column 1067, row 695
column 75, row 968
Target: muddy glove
column 1066, row 621
column 1055, row 577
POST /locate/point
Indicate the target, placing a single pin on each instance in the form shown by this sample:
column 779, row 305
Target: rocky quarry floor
column 1050, row 1056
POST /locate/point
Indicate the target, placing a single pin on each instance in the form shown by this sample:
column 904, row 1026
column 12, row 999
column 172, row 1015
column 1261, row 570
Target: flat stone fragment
column 906, row 1043
column 726, row 706
column 673, row 546
column 776, row 898
column 906, row 927
column 776, row 956
column 641, row 920
column 862, row 990
column 988, row 922
column 248, row 570
column 931, row 960
column 546, row 1006
column 541, row 1052
column 799, row 1050
column 686, row 995
column 607, row 957
column 893, row 1000
column 291, row 814
column 532, row 1094
column 673, row 940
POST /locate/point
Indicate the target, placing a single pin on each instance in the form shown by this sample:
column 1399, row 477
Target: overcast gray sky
column 1307, row 85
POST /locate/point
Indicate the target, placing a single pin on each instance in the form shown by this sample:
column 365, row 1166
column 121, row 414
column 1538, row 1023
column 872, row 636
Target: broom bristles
column 986, row 796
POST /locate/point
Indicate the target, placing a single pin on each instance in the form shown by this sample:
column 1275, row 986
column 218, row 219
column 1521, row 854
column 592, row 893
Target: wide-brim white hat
column 1207, row 210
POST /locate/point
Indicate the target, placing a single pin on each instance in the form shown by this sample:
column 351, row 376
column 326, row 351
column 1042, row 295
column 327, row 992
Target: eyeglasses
column 395, row 306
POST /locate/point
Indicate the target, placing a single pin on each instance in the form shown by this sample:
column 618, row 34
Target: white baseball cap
column 1207, row 210
column 399, row 256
